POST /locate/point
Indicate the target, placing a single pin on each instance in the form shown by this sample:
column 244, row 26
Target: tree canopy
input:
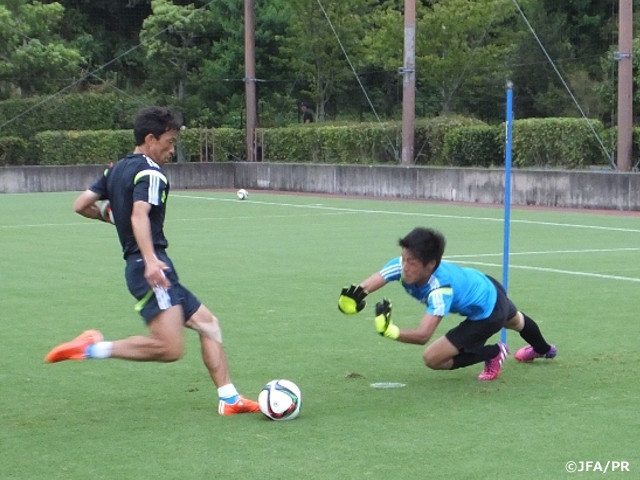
column 340, row 55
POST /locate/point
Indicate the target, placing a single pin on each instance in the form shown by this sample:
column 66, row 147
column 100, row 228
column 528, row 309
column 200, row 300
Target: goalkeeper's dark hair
column 426, row 244
column 155, row 121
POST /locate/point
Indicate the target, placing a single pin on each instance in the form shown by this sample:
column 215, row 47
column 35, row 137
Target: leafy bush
column 430, row 134
column 457, row 141
column 326, row 143
column 26, row 117
column 12, row 151
column 474, row 146
column 80, row 148
column 213, row 145
column 556, row 142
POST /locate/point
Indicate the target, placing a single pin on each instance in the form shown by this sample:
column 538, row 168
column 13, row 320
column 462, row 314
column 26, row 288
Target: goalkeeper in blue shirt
column 444, row 288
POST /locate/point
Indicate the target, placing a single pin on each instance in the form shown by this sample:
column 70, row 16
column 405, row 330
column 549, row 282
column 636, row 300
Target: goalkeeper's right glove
column 383, row 323
column 351, row 299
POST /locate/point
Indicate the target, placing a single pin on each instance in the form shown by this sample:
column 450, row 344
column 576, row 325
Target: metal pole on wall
column 624, row 56
column 408, row 72
column 507, row 195
column 250, row 78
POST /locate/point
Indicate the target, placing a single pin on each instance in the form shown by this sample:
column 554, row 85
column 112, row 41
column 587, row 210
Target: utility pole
column 250, row 78
column 408, row 72
column 624, row 56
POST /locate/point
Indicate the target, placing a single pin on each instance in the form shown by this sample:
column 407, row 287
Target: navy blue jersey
column 451, row 289
column 135, row 178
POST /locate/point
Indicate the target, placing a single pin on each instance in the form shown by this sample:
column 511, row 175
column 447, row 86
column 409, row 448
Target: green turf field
column 271, row 268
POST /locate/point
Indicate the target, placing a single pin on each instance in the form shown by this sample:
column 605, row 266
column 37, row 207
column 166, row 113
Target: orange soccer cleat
column 75, row 349
column 243, row 405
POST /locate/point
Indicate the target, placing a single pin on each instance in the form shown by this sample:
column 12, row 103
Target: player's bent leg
column 215, row 359
column 515, row 323
column 164, row 344
column 213, row 355
column 205, row 323
column 439, row 355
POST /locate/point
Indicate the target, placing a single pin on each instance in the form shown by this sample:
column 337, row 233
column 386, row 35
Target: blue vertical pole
column 507, row 195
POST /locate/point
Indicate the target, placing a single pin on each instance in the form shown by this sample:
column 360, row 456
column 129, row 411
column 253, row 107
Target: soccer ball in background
column 280, row 400
column 242, row 194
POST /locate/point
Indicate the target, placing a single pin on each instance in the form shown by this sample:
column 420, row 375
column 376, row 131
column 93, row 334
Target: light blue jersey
column 451, row 289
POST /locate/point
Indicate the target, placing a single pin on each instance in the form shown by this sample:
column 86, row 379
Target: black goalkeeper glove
column 351, row 299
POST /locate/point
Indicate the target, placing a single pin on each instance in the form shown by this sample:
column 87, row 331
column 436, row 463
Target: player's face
column 413, row 270
column 161, row 148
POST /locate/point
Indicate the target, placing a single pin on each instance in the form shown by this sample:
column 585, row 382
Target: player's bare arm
column 373, row 283
column 85, row 205
column 423, row 333
column 154, row 268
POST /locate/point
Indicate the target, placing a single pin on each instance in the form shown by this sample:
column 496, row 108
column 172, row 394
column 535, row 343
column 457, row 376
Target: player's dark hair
column 426, row 244
column 155, row 121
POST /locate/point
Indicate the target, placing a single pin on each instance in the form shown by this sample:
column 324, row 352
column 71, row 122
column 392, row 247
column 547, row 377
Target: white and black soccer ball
column 280, row 400
column 242, row 194
column 105, row 211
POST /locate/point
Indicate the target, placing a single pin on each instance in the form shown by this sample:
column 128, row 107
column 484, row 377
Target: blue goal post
column 507, row 195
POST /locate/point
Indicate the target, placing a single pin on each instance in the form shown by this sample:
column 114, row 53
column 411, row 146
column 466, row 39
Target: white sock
column 100, row 350
column 228, row 393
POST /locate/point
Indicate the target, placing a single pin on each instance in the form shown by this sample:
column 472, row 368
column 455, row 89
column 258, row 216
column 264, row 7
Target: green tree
column 461, row 53
column 315, row 53
column 221, row 80
column 35, row 59
column 171, row 39
column 108, row 33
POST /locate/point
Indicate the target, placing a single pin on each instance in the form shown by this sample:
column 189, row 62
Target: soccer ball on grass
column 280, row 400
column 242, row 194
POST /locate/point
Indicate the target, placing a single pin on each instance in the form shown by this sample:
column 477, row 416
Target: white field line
column 556, row 270
column 414, row 214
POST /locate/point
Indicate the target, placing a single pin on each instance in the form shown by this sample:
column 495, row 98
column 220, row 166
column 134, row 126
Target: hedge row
column 454, row 141
column 536, row 142
column 90, row 111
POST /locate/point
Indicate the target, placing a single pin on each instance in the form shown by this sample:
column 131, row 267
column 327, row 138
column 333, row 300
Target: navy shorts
column 147, row 305
column 471, row 334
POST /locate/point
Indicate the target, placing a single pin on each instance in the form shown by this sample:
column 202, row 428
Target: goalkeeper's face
column 413, row 270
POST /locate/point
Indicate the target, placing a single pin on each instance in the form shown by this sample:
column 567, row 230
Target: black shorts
column 470, row 334
column 147, row 305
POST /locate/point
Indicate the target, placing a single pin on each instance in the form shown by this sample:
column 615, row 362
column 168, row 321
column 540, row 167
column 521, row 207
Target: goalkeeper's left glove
column 352, row 299
column 383, row 323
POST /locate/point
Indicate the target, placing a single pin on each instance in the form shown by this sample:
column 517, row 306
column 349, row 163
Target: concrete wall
column 574, row 189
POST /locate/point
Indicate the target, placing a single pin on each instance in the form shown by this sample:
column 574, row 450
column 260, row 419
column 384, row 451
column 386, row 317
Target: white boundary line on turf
column 413, row 214
column 548, row 252
column 556, row 270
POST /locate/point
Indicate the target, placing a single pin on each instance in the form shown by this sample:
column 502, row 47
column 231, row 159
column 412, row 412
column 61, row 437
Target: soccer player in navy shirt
column 136, row 189
column 444, row 288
